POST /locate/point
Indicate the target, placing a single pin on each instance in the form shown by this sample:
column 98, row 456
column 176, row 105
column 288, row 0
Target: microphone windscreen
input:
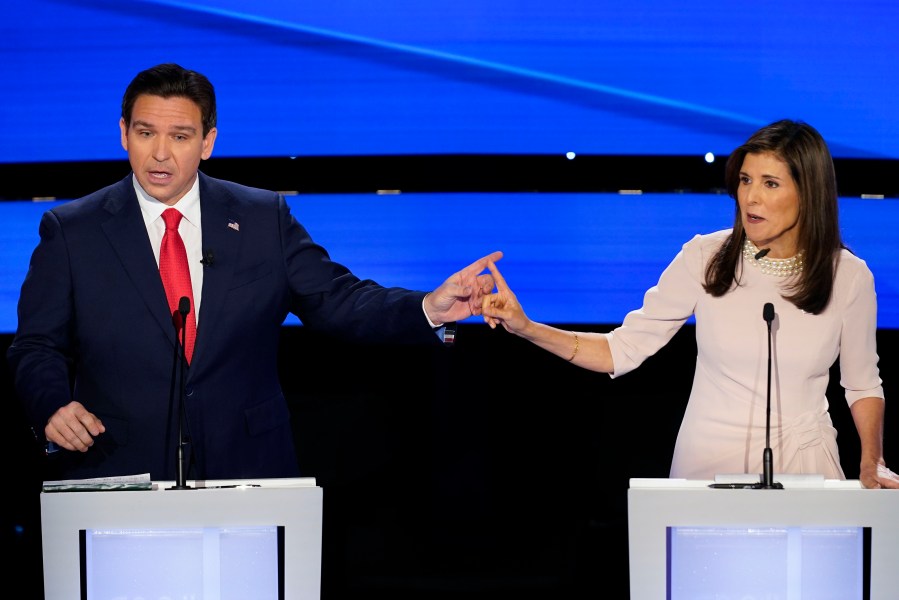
column 184, row 305
column 768, row 312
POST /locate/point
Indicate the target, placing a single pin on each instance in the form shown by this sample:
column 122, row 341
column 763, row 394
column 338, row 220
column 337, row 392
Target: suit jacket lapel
column 127, row 234
column 220, row 216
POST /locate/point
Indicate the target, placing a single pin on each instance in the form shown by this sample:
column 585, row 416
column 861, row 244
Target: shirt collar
column 188, row 205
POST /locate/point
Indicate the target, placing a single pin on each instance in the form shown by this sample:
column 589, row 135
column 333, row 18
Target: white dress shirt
column 189, row 229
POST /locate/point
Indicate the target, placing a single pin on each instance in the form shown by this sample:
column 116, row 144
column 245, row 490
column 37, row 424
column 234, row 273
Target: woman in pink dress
column 784, row 249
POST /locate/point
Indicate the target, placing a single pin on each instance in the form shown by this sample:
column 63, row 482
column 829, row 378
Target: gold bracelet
column 577, row 345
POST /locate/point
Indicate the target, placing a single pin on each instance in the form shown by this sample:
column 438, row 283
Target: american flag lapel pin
column 233, row 224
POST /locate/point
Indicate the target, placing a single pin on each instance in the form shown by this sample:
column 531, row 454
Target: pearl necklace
column 779, row 267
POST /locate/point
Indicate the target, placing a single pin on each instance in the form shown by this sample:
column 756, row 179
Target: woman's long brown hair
column 805, row 152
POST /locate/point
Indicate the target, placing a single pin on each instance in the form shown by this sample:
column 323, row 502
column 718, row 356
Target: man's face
column 165, row 145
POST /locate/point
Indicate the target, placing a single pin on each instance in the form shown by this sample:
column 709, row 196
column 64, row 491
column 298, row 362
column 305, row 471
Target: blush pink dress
column 723, row 428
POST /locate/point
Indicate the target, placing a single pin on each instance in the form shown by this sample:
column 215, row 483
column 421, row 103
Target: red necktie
column 176, row 275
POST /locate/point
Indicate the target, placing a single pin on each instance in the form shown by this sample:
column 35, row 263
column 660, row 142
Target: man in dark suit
column 94, row 311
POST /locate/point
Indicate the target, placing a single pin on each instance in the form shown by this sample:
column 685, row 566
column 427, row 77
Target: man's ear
column 124, row 129
column 208, row 143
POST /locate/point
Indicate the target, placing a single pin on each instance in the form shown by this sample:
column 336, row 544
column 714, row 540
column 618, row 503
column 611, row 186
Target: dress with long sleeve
column 723, row 428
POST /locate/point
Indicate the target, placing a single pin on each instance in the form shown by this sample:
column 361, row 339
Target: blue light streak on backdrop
column 570, row 258
column 354, row 77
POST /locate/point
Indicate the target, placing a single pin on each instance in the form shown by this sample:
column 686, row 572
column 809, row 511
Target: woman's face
column 769, row 204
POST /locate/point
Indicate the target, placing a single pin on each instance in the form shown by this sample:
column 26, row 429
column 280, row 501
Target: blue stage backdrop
column 356, row 77
column 571, row 258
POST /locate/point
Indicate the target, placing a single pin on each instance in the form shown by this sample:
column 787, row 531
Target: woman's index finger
column 498, row 277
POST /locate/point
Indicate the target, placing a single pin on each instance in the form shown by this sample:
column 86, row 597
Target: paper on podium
column 98, row 484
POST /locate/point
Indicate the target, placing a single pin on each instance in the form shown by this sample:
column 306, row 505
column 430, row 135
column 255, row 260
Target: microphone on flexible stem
column 767, row 482
column 179, row 318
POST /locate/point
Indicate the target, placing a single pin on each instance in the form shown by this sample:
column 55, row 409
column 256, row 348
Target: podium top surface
column 292, row 482
column 788, row 481
column 143, row 482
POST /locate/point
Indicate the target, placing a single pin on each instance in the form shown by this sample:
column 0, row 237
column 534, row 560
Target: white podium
column 815, row 522
column 194, row 544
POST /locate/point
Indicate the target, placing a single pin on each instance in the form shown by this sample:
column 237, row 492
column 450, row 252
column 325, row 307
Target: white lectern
column 788, row 540
column 204, row 540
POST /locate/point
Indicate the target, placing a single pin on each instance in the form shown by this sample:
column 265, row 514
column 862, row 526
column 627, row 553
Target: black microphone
column 768, row 482
column 767, row 310
column 759, row 256
column 179, row 318
column 208, row 258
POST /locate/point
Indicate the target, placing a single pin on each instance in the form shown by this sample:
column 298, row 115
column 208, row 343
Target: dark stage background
column 487, row 470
